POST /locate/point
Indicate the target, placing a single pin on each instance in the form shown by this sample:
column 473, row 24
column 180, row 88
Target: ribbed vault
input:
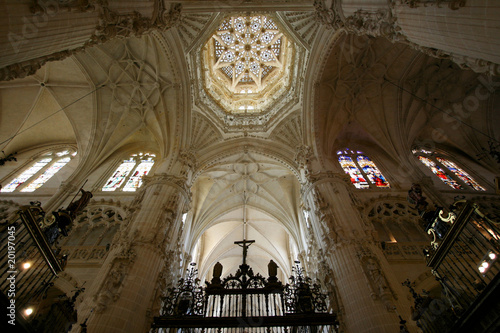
column 245, row 187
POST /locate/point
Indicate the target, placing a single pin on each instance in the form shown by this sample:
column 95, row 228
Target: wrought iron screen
column 245, row 302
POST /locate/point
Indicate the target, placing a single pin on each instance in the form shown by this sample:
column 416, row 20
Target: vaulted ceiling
column 147, row 93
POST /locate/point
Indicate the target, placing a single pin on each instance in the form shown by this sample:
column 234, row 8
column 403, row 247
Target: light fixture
column 26, row 265
column 28, row 311
column 484, row 265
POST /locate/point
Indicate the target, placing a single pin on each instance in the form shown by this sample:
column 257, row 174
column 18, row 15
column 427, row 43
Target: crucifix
column 245, row 244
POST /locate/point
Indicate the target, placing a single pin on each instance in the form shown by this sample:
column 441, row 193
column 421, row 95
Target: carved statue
column 111, row 289
column 272, row 269
column 416, row 198
column 376, row 276
column 381, row 289
column 64, row 217
column 77, row 206
column 217, row 274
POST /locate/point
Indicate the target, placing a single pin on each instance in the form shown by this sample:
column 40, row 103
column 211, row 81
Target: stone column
column 465, row 31
column 369, row 297
column 126, row 293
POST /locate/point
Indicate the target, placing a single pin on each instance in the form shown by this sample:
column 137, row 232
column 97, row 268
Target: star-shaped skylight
column 247, row 50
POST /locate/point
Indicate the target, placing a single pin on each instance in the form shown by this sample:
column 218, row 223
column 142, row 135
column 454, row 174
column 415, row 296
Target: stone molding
column 383, row 23
column 179, row 183
column 452, row 4
column 111, row 25
column 71, row 5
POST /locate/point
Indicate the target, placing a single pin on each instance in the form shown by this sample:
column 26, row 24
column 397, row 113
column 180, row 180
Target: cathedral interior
column 300, row 125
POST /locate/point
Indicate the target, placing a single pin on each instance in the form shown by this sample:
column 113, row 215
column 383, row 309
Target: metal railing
column 28, row 262
column 464, row 261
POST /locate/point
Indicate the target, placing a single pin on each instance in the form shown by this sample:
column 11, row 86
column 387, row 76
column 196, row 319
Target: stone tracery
column 247, row 60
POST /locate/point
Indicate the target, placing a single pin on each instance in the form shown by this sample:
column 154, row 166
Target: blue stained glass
column 371, row 170
column 352, row 170
column 464, row 176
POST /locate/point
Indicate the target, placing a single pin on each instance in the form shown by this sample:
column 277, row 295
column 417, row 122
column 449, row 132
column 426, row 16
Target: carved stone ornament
column 381, row 289
column 112, row 287
column 383, row 23
column 452, row 4
column 303, row 155
column 378, row 24
column 328, row 16
column 188, row 158
column 111, row 25
column 70, row 5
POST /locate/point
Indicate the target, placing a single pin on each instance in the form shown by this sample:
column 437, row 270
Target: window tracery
column 248, row 63
column 362, row 170
column 449, row 172
column 247, row 49
column 398, row 227
column 128, row 176
column 92, row 233
column 40, row 171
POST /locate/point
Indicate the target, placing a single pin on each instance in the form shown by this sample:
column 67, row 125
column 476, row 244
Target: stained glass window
column 119, row 175
column 464, row 176
column 352, row 170
column 135, row 181
column 128, row 176
column 40, row 171
column 371, row 170
column 52, row 170
column 439, row 172
column 446, row 169
column 364, row 172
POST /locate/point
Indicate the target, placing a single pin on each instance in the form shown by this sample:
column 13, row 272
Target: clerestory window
column 40, row 171
column 362, row 170
column 128, row 176
column 449, row 172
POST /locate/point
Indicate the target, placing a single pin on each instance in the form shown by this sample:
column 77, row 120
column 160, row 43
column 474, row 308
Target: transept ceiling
column 149, row 93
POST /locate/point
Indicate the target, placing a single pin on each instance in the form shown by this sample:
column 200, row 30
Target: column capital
column 316, row 178
column 179, row 183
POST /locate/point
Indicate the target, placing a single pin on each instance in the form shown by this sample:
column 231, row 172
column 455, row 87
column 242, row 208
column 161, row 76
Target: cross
column 245, row 247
